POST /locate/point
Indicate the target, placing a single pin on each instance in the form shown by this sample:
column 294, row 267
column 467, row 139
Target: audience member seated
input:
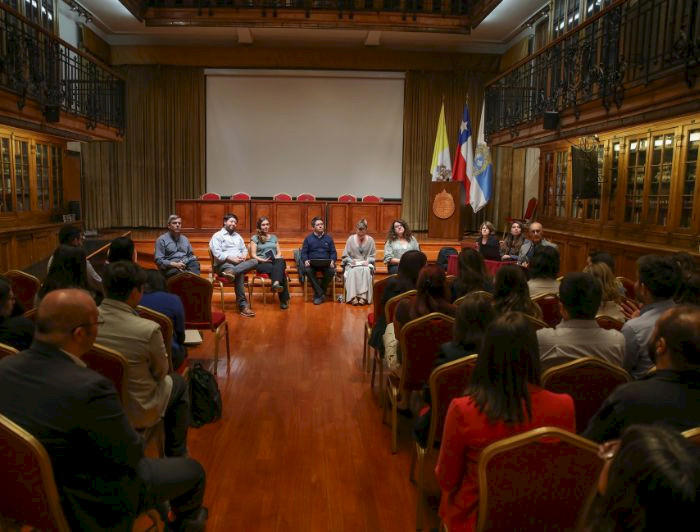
column 689, row 291
column 686, row 263
column 153, row 393
column 121, row 248
column 650, row 481
column 510, row 247
column 671, row 394
column 409, row 267
column 156, row 297
column 543, row 271
column 658, row 279
column 603, row 257
column 611, row 297
column 536, row 241
column 503, row 399
column 231, row 260
column 398, row 241
column 70, row 235
column 173, row 252
column 265, row 247
column 578, row 335
column 488, row 242
column 511, row 293
column 318, row 254
column 97, row 457
column 68, row 270
column 15, row 330
column 471, row 274
column 358, row 264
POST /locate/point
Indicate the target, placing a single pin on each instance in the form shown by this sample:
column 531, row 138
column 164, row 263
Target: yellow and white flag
column 441, row 167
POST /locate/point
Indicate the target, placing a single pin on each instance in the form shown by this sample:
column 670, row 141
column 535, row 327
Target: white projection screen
column 324, row 132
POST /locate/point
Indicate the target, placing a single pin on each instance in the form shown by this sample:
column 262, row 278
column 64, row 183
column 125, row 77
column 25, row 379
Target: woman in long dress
column 358, row 261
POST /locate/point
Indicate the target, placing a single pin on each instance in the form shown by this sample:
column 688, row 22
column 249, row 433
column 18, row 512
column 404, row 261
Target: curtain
column 135, row 182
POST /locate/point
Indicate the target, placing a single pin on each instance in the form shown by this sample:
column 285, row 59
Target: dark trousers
column 276, row 271
column 328, row 274
column 191, row 266
column 177, row 418
column 392, row 268
column 239, row 270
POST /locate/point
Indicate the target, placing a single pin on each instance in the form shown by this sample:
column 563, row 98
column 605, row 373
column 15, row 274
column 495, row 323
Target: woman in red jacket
column 503, row 399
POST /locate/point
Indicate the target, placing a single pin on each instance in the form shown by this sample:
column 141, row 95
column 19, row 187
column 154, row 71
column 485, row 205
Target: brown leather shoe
column 247, row 312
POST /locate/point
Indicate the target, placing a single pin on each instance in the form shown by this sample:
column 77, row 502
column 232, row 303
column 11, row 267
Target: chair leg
column 305, row 284
column 228, row 348
column 251, row 285
column 216, row 351
column 365, row 348
column 420, row 488
column 394, row 398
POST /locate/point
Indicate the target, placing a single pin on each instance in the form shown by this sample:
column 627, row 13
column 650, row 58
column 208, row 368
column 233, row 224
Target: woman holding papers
column 265, row 247
column 358, row 264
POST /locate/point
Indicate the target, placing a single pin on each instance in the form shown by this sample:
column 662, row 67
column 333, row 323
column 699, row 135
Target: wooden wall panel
column 23, row 251
column 188, row 211
column 338, row 218
column 210, row 215
column 6, row 262
column 388, row 213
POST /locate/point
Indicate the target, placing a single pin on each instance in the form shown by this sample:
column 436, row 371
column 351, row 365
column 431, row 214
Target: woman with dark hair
column 650, row 481
column 431, row 296
column 121, row 248
column 472, row 318
column 398, row 241
column 510, row 247
column 15, row 330
column 689, row 291
column 265, row 247
column 511, row 293
column 488, row 242
column 504, row 398
column 471, row 274
column 68, row 270
column 543, row 270
column 156, row 297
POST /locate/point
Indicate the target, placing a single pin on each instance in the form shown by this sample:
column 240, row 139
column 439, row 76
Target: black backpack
column 443, row 257
column 205, row 398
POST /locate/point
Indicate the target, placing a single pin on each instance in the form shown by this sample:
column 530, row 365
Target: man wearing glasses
column 536, row 240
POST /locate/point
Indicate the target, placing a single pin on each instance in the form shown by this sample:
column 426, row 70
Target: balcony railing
column 36, row 65
column 629, row 44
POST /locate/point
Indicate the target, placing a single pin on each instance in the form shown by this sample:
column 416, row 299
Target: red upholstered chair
column 282, row 197
column 588, row 381
column 536, row 323
column 306, row 197
column 108, row 363
column 241, row 196
column 527, row 217
column 628, row 286
column 210, row 196
column 7, row 350
column 608, row 322
column 419, row 341
column 196, row 295
column 537, row 480
column 446, row 382
column 264, row 282
column 549, row 304
column 166, row 329
column 221, row 281
column 371, row 199
column 377, row 309
column 347, row 198
column 24, row 286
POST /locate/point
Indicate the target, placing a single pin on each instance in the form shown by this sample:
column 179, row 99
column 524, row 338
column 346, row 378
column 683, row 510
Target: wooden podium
column 439, row 224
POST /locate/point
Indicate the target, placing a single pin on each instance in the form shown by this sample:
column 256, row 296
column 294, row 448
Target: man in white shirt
column 231, row 259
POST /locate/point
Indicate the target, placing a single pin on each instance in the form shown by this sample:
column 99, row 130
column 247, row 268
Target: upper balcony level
column 48, row 85
column 635, row 61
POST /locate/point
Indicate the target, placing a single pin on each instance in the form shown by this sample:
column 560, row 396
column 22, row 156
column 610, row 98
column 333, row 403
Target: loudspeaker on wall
column 551, row 120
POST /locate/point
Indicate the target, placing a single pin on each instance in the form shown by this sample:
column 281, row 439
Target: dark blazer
column 491, row 250
column 76, row 414
column 17, row 331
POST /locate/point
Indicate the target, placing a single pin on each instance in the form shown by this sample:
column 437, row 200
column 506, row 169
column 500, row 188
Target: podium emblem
column 443, row 205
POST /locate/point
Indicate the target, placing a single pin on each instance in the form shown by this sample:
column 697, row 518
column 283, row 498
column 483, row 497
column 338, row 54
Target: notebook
column 320, row 263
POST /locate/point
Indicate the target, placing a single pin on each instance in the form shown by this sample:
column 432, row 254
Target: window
column 614, row 175
column 660, row 182
column 688, row 178
column 636, row 164
column 41, row 12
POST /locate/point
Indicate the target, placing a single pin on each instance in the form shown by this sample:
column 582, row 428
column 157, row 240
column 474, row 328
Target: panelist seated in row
column 318, row 254
column 398, row 241
column 174, row 252
column 358, row 264
column 265, row 247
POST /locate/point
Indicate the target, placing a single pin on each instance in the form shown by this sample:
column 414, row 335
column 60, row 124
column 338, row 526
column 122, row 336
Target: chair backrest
column 419, row 341
column 241, row 196
column 29, row 493
column 282, row 197
column 549, row 304
column 306, row 197
column 447, row 382
column 608, row 322
column 24, row 286
column 166, row 328
column 195, row 293
column 693, row 435
column 347, row 197
column 378, row 289
column 370, row 198
column 111, row 364
column 530, row 210
column 588, row 381
column 31, row 314
column 536, row 323
column 210, row 196
column 7, row 350
column 537, row 480
column 390, row 306
column 628, row 286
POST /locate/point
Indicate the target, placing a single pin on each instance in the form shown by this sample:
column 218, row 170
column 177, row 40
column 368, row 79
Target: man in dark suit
column 103, row 479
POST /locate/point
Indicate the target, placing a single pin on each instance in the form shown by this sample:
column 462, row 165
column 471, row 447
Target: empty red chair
column 371, row 199
column 347, row 198
column 282, row 197
column 306, row 197
column 210, row 196
column 241, row 196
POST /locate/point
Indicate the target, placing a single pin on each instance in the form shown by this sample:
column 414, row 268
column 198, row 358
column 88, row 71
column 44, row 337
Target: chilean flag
column 464, row 159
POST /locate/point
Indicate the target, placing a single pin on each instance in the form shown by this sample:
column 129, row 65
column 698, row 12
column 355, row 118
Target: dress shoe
column 284, row 305
column 194, row 523
column 247, row 312
column 230, row 276
column 319, row 300
column 277, row 287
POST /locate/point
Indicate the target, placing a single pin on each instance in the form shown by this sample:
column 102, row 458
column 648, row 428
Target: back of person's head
column 689, row 292
column 120, row 278
column 651, row 483
column 679, row 327
column 510, row 289
column 67, row 234
column 471, row 272
column 604, row 275
column 602, row 257
column 410, row 266
column 544, row 263
column 581, row 294
column 685, row 262
column 121, row 248
column 474, row 314
column 431, row 288
column 155, row 282
column 660, row 275
column 509, row 360
column 61, row 312
column 68, row 270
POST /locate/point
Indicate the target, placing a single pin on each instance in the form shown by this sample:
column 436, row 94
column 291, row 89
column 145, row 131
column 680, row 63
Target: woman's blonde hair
column 605, row 276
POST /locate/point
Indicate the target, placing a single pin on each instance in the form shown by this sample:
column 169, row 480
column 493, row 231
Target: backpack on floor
column 205, row 397
column 443, row 255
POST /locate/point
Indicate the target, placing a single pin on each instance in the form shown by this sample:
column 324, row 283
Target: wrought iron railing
column 628, row 44
column 36, row 65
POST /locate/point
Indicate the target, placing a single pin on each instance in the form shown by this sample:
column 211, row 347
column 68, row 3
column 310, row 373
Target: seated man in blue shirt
column 319, row 247
column 173, row 250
